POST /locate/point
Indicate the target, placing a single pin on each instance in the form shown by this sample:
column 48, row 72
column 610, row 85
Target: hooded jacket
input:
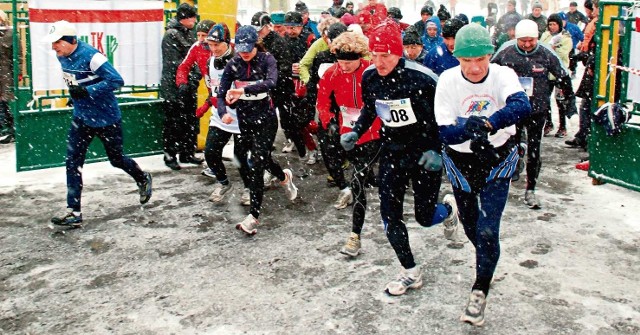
column 176, row 42
column 431, row 42
column 440, row 59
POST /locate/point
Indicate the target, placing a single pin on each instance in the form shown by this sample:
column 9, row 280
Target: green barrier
column 41, row 135
column 616, row 159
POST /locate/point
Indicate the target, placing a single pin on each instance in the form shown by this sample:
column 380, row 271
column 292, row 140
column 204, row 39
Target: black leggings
column 258, row 137
column 216, row 140
column 534, row 126
column 363, row 158
column 333, row 156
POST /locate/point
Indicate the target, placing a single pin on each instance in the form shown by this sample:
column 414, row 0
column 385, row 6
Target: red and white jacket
column 199, row 53
column 347, row 91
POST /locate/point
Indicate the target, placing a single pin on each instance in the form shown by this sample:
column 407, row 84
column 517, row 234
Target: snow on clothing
column 480, row 187
column 501, row 27
column 538, row 64
column 418, row 59
column 440, row 59
column 256, row 117
column 345, row 91
column 6, row 63
column 97, row 115
column 431, row 42
column 560, row 42
column 307, row 60
column 576, row 34
column 311, row 27
column 405, row 99
column 176, row 43
column 576, row 17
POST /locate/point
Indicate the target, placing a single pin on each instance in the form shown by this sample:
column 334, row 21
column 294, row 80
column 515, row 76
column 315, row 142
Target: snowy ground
column 178, row 266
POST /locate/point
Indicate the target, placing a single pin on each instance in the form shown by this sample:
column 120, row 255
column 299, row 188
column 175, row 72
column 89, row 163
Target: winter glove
column 484, row 150
column 348, row 140
column 78, row 92
column 219, row 63
column 203, row 109
column 431, row 161
column 568, row 106
column 477, row 126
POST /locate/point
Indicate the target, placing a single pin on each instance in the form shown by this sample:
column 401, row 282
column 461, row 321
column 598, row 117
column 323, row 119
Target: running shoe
column 312, row 157
column 531, row 200
column 288, row 147
column 408, row 279
column 289, row 187
column 70, row 218
column 245, row 199
column 451, row 222
column 249, row 225
column 474, row 312
column 144, row 188
column 208, row 173
column 352, row 247
column 219, row 191
column 344, row 199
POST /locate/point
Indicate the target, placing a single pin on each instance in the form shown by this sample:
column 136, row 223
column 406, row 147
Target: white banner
column 633, row 87
column 127, row 32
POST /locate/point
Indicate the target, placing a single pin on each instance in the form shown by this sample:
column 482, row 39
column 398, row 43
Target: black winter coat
column 176, row 42
column 277, row 46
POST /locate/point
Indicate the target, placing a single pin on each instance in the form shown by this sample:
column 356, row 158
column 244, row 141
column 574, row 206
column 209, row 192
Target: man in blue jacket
column 91, row 80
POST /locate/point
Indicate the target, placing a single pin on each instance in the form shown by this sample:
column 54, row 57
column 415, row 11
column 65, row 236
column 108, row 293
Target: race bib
column 527, row 85
column 396, row 113
column 214, row 84
column 349, row 116
column 69, row 79
column 207, row 80
column 248, row 96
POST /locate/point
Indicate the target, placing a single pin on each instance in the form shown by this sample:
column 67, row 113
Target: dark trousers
column 216, row 140
column 363, row 157
column 6, row 118
column 180, row 127
column 78, row 140
column 480, row 212
column 257, row 138
column 396, row 169
column 333, row 156
column 585, row 120
column 534, row 125
column 294, row 117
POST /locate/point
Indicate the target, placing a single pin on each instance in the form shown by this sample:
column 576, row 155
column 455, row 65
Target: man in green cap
column 477, row 105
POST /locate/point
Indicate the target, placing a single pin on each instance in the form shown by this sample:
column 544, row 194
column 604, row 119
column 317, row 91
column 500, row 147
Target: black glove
column 568, row 106
column 219, row 63
column 477, row 126
column 78, row 92
column 484, row 150
column 183, row 90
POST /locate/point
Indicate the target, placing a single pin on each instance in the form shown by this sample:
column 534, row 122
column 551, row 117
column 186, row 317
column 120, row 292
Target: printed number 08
column 399, row 115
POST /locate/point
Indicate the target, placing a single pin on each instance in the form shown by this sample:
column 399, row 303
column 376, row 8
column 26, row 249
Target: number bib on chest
column 248, row 96
column 349, row 116
column 69, row 79
column 527, row 85
column 396, row 113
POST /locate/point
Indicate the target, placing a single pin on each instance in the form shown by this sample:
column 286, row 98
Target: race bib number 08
column 396, row 113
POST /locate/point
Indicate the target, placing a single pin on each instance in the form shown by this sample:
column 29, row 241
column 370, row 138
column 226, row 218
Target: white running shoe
column 344, row 199
column 312, row 157
column 268, row 179
column 352, row 247
column 208, row 173
column 289, row 188
column 219, row 191
column 474, row 312
column 531, row 200
column 245, row 199
column 249, row 225
column 411, row 278
column 289, row 147
column 451, row 222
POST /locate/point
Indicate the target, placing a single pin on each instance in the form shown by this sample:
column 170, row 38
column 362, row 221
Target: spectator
column 537, row 17
column 307, row 24
column 510, row 16
column 574, row 15
column 335, row 8
column 6, row 79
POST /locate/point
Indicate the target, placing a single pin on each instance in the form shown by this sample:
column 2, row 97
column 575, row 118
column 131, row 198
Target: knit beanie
column 185, row 11
column 411, row 37
column 204, row 26
column 386, row 38
column 526, row 28
column 555, row 18
column 335, row 30
column 472, row 41
column 348, row 19
column 219, row 33
column 588, row 4
column 395, row 13
column 536, row 4
column 463, row 18
column 426, row 10
column 301, row 7
column 443, row 13
column 451, row 27
column 277, row 17
column 479, row 19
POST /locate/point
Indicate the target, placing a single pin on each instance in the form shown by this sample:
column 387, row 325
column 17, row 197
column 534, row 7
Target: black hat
column 426, row 10
column 462, row 18
column 260, row 19
column 395, row 13
column 186, row 11
column 301, row 7
column 588, row 4
column 335, row 30
column 293, row 19
column 219, row 33
column 204, row 26
column 411, row 36
column 443, row 13
column 573, row 4
column 555, row 18
column 451, row 27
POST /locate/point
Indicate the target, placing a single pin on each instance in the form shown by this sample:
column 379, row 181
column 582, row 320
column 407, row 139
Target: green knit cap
column 472, row 40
